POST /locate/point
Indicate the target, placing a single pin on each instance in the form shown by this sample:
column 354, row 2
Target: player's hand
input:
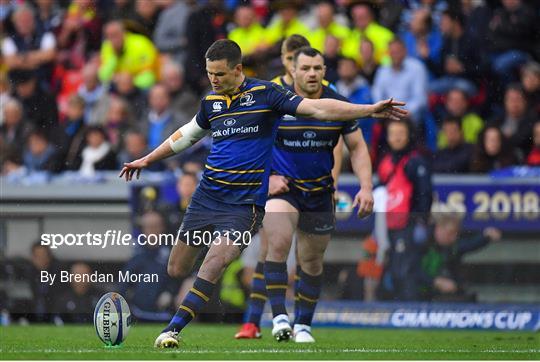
column 278, row 185
column 364, row 201
column 389, row 109
column 445, row 285
column 492, row 233
column 133, row 167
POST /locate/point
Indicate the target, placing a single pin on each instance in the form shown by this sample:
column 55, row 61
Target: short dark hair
column 225, row 49
column 347, row 59
column 460, row 91
column 309, row 51
column 295, row 42
column 407, row 122
column 517, row 87
column 40, row 134
column 97, row 129
column 455, row 15
column 38, row 245
column 397, row 40
column 190, row 174
column 452, row 120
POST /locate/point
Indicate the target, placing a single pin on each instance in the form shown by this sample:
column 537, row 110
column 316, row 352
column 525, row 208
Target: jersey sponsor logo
column 216, row 107
column 307, row 143
column 236, row 130
column 310, row 134
column 229, row 122
column 246, row 100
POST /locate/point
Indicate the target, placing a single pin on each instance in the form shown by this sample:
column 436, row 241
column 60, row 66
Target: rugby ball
column 112, row 319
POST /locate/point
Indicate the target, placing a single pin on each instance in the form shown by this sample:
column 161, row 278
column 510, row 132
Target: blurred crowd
column 86, row 85
column 428, row 268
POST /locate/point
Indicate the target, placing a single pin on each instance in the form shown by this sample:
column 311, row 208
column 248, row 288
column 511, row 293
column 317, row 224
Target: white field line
column 277, row 351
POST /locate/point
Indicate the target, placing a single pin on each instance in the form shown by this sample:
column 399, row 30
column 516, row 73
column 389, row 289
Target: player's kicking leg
column 257, row 299
column 221, row 253
column 280, row 224
column 311, row 248
column 181, row 261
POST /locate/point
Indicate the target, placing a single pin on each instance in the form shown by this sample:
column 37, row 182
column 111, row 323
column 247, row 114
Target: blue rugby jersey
column 303, row 149
column 243, row 128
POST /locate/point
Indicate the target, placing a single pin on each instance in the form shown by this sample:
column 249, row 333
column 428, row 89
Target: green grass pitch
column 202, row 341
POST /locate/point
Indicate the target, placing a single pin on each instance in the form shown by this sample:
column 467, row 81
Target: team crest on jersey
column 247, row 100
column 216, row 107
column 229, row 122
column 310, row 134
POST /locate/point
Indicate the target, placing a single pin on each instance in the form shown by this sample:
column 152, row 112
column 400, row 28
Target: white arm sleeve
column 186, row 136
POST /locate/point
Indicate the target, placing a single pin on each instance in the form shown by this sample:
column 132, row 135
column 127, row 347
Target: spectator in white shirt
column 27, row 48
column 405, row 78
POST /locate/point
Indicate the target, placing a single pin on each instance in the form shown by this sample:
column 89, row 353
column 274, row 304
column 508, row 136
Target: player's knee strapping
column 309, row 290
column 194, row 301
column 276, row 278
column 257, row 298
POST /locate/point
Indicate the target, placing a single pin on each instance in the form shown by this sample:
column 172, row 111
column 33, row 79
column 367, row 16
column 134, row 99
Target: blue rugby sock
column 257, row 298
column 193, row 303
column 309, row 289
column 296, row 299
column 276, row 278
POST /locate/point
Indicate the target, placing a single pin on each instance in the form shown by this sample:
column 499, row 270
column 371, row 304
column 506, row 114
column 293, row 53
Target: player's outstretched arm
column 183, row 138
column 327, row 109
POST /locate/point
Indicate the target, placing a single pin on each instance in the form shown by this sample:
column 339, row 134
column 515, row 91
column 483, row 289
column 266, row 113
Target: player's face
column 309, row 73
column 287, row 59
column 223, row 79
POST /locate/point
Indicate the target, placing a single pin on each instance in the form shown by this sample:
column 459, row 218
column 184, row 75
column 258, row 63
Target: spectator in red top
column 534, row 157
column 407, row 179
